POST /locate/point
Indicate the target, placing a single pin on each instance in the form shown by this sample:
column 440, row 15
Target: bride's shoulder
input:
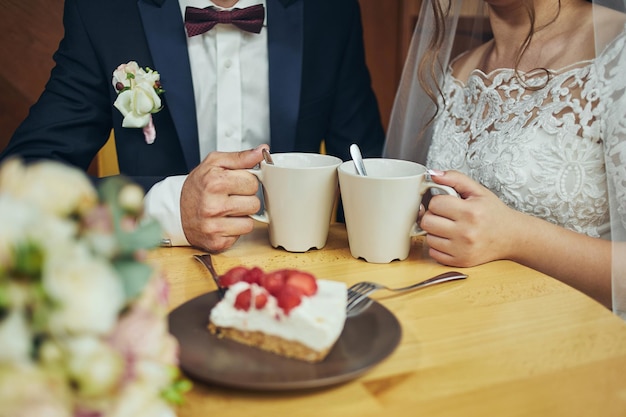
column 462, row 65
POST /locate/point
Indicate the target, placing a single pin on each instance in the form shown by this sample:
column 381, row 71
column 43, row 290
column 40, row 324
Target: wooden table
column 507, row 341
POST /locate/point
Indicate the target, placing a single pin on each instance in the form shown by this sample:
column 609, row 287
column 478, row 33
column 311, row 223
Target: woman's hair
column 430, row 65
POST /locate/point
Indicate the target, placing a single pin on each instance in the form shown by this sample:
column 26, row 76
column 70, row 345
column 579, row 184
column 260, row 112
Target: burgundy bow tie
column 198, row 21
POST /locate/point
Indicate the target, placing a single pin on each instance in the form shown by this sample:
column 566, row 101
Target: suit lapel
column 165, row 32
column 285, row 39
column 166, row 38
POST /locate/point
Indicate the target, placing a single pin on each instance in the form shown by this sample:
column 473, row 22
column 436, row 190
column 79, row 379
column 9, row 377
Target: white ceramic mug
column 299, row 191
column 381, row 208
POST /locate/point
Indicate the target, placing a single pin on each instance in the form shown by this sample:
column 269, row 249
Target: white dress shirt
column 229, row 69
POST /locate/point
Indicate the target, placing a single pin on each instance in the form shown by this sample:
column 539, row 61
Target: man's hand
column 217, row 198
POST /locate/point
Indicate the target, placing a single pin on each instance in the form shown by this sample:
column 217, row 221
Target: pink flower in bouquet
column 142, row 334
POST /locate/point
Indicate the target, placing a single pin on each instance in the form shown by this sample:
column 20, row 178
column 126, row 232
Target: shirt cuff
column 162, row 203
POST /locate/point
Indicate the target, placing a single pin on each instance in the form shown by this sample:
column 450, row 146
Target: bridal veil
column 467, row 26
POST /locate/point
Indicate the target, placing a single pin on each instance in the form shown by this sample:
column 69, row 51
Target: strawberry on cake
column 288, row 312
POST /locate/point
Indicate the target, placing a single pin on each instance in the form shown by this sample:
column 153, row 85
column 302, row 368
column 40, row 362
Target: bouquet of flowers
column 83, row 316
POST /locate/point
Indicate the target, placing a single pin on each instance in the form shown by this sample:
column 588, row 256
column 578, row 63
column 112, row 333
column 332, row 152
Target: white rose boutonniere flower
column 138, row 92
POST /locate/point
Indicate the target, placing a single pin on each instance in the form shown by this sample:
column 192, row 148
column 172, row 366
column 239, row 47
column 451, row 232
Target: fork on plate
column 359, row 292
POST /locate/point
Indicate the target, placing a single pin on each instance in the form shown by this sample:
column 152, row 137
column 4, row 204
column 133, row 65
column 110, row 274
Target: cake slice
column 288, row 312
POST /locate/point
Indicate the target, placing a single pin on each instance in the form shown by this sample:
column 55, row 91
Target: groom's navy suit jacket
column 319, row 85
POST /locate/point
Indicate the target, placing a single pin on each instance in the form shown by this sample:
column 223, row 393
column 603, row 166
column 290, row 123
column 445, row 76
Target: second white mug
column 381, row 208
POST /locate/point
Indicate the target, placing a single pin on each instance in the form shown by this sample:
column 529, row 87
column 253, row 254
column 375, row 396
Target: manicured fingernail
column 435, row 173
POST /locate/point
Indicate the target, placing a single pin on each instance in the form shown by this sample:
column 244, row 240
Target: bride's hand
column 470, row 230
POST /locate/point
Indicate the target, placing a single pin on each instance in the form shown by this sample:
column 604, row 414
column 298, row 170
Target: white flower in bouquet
column 49, row 186
column 16, row 337
column 94, row 366
column 31, row 391
column 83, row 319
column 23, row 222
column 75, row 271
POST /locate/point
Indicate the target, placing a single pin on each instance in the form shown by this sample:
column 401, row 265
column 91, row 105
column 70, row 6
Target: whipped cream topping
column 316, row 323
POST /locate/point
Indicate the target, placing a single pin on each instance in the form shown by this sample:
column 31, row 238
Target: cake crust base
column 270, row 343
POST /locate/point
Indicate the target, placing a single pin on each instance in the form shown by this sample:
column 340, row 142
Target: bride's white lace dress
column 545, row 152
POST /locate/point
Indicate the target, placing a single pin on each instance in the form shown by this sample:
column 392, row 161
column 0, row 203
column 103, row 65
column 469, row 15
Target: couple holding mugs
column 524, row 117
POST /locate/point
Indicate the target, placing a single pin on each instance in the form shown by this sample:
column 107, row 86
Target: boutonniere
column 138, row 92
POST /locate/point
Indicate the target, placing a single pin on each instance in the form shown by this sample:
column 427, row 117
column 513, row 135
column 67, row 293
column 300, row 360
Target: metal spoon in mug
column 355, row 152
column 267, row 157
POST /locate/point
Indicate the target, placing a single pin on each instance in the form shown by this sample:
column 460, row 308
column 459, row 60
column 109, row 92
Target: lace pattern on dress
column 540, row 151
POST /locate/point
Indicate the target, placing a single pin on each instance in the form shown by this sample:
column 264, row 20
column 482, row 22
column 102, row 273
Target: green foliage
column 146, row 235
column 28, row 260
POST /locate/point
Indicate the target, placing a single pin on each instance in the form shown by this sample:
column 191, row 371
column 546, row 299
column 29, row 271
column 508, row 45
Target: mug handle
column 427, row 185
column 261, row 217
